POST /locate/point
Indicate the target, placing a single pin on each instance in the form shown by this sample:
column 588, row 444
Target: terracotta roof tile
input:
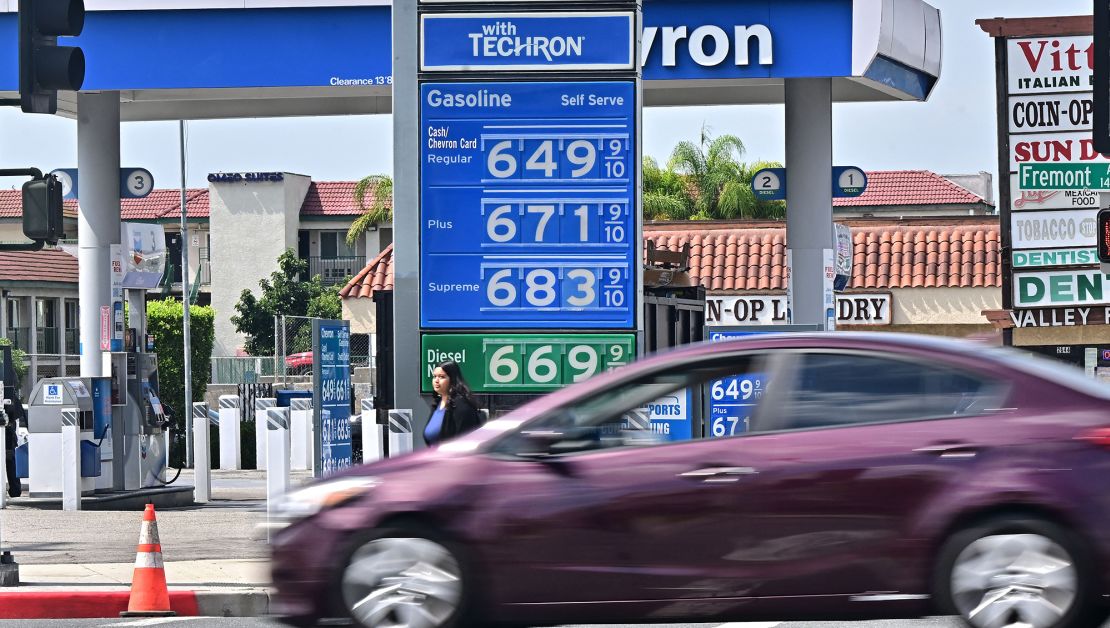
column 163, row 204
column 885, row 256
column 377, row 275
column 332, row 198
column 11, row 205
column 910, row 187
column 46, row 265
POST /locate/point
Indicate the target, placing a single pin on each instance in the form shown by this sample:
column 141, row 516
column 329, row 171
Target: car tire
column 1018, row 571
column 395, row 575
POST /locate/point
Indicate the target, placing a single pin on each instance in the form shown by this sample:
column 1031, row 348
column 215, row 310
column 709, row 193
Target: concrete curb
column 100, row 604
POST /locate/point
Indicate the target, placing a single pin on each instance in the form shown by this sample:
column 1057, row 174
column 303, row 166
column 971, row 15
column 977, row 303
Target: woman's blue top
column 435, row 425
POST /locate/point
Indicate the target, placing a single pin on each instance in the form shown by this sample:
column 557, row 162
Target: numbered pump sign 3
column 529, row 220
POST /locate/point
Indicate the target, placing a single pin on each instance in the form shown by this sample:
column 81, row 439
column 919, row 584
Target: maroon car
column 881, row 475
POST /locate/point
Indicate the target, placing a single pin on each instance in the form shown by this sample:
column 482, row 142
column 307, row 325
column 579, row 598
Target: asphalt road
column 204, row 622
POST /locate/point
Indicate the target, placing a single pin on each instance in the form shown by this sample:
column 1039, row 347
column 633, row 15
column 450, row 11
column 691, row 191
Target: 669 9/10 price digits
column 550, row 364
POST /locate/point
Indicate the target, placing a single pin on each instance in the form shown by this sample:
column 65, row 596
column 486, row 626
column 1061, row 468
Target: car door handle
column 949, row 450
column 718, row 474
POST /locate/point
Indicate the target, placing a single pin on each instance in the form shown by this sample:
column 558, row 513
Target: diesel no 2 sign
column 528, row 205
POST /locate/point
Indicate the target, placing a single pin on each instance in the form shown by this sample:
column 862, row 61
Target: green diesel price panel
column 519, row 363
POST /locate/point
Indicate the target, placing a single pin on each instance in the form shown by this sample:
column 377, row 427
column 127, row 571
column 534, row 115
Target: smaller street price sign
column 732, row 403
column 521, row 363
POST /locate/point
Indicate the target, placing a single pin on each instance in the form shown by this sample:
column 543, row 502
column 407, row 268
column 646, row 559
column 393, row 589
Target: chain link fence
column 292, row 360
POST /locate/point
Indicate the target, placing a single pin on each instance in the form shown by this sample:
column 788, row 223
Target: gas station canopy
column 199, row 59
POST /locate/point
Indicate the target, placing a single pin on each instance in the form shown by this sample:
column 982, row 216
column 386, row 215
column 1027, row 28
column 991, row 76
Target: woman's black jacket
column 459, row 418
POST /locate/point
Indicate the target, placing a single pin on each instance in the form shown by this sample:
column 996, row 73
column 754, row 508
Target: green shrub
column 165, row 323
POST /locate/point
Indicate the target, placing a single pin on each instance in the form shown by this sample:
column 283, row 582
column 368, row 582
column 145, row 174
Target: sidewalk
column 79, row 564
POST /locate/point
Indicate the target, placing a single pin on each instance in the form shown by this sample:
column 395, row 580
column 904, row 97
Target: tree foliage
column 283, row 294
column 706, row 180
column 165, row 321
column 374, row 197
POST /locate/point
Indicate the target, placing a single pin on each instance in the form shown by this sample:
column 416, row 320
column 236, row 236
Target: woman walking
column 455, row 412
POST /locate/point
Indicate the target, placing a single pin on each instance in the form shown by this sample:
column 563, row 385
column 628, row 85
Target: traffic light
column 42, row 209
column 44, row 66
column 1104, row 236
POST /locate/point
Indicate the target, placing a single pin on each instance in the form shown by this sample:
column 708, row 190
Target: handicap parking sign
column 52, row 394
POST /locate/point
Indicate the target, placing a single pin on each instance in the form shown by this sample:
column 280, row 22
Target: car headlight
column 311, row 500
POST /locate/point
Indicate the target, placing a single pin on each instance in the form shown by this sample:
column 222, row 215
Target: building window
column 72, row 327
column 333, row 245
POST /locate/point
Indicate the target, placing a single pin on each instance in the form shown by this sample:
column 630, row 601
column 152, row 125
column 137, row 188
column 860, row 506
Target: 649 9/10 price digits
column 575, row 157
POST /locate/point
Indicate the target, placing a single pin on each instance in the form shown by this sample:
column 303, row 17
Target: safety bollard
column 400, row 432
column 261, row 406
column 71, row 460
column 231, row 458
column 3, row 467
column 372, row 449
column 276, row 429
column 300, row 448
column 202, row 454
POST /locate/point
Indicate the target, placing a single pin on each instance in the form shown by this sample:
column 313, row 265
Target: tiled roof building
column 745, row 256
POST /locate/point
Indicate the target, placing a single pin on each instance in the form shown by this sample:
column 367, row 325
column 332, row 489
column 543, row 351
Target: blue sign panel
column 331, row 355
column 725, row 39
column 527, row 41
column 670, row 415
column 732, row 400
column 350, row 46
column 528, row 205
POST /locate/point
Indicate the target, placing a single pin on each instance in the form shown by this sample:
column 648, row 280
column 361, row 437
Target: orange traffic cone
column 149, row 595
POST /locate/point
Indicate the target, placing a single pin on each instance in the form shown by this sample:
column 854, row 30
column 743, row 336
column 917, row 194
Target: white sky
column 954, row 132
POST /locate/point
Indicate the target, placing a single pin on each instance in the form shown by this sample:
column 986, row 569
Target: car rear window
column 847, row 389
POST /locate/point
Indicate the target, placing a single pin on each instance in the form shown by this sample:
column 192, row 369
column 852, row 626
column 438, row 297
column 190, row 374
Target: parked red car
column 883, row 476
column 299, row 363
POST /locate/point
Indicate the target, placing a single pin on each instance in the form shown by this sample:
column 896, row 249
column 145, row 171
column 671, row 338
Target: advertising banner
column 1034, row 200
column 144, row 255
column 1050, row 64
column 1034, row 230
column 1061, row 287
column 331, row 395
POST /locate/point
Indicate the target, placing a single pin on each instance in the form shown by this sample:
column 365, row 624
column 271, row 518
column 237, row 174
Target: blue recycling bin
column 90, row 459
column 285, row 397
column 21, row 464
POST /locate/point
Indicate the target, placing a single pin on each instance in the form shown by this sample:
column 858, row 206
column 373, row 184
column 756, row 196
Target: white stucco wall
column 252, row 223
column 360, row 312
column 944, row 306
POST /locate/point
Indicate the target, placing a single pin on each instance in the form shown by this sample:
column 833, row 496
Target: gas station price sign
column 522, row 363
column 528, row 205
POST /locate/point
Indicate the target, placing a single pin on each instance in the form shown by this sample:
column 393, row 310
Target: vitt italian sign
column 1050, row 64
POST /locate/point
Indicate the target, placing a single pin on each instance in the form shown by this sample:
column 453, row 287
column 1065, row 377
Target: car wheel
column 1018, row 573
column 405, row 579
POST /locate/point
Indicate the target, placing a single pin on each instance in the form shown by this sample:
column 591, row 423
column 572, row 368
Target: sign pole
column 406, row 224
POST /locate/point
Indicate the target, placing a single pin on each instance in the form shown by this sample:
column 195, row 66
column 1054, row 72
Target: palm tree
column 665, row 195
column 374, row 197
column 714, row 171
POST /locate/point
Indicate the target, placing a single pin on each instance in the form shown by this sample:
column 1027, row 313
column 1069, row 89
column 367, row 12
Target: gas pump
column 139, row 459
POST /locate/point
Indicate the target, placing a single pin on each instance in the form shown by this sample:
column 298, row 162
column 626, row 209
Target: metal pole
column 187, row 405
column 809, row 230
column 98, row 226
column 406, row 224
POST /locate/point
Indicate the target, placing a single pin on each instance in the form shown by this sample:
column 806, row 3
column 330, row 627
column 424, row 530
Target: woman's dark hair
column 458, row 387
